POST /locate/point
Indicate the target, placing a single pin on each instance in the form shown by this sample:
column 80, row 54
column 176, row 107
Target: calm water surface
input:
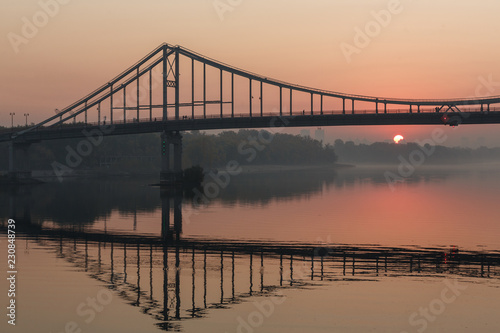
column 317, row 251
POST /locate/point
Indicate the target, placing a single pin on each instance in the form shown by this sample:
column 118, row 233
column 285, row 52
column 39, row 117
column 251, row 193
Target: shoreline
column 40, row 176
column 255, row 169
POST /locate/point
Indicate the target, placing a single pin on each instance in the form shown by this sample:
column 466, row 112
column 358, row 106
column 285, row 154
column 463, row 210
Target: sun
column 398, row 138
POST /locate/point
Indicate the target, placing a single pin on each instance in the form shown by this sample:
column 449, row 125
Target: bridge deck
column 269, row 121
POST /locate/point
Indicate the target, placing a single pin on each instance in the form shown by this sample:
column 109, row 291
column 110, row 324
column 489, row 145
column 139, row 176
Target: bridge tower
column 19, row 166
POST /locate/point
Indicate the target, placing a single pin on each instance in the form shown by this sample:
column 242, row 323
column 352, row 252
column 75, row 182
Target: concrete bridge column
column 165, row 158
column 171, row 159
column 19, row 167
column 177, row 143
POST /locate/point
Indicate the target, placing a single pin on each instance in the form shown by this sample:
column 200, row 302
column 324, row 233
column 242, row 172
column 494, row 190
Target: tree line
column 391, row 153
column 143, row 152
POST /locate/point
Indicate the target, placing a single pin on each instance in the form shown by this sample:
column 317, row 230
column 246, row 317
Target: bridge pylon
column 19, row 166
column 171, row 158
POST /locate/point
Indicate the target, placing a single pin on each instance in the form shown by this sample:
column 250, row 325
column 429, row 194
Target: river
column 318, row 250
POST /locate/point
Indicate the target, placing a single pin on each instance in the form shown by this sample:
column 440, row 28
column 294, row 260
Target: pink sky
column 423, row 49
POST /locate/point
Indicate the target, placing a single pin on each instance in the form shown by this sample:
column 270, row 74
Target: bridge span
column 150, row 97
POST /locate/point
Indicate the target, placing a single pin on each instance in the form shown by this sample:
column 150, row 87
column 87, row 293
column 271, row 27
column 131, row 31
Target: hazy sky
column 422, row 49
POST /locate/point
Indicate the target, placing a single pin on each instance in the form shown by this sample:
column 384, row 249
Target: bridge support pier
column 19, row 167
column 19, row 204
column 171, row 158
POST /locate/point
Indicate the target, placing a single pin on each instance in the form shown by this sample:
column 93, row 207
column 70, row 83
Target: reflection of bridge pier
column 20, row 203
column 166, row 201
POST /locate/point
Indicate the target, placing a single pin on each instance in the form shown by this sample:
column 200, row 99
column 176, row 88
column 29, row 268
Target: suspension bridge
column 173, row 89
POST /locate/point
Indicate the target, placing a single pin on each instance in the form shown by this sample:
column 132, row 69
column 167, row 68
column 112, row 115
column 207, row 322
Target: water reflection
column 78, row 202
column 176, row 280
column 172, row 277
column 83, row 202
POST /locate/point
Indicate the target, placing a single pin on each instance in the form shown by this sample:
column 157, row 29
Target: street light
column 26, row 115
column 12, row 114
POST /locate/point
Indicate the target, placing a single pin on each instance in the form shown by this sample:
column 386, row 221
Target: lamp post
column 12, row 114
column 26, row 115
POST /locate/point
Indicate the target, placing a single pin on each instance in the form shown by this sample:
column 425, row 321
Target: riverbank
column 5, row 180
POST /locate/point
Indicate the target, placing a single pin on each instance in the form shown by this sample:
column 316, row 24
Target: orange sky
column 424, row 49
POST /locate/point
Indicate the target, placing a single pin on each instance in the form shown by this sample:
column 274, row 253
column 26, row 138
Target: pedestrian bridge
column 173, row 89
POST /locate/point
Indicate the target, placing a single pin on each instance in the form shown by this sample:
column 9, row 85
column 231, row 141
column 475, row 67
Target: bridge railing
column 304, row 113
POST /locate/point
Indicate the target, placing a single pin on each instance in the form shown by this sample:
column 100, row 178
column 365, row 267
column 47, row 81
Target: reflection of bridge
column 178, row 280
column 207, row 98
column 373, row 259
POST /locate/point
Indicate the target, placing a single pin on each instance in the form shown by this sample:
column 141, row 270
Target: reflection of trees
column 84, row 201
column 376, row 175
column 260, row 188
